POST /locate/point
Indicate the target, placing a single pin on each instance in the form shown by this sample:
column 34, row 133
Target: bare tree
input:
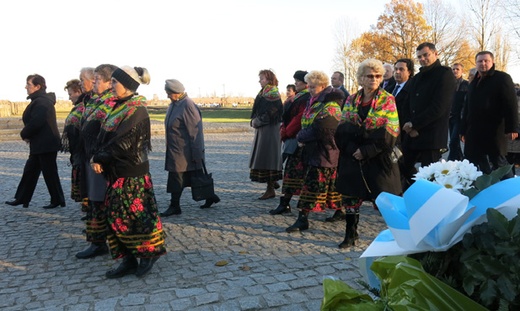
column 448, row 30
column 511, row 9
column 487, row 30
column 485, row 21
column 345, row 58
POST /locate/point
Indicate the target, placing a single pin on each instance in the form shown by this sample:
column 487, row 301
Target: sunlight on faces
column 484, row 63
column 290, row 92
column 426, row 56
column 263, row 81
column 73, row 95
column 315, row 88
column 335, row 80
column 401, row 73
column 389, row 71
column 100, row 85
column 86, row 84
column 118, row 89
column 31, row 88
column 457, row 71
column 371, row 80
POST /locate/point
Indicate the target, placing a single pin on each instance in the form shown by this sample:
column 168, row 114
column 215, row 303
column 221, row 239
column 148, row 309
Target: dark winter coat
column 428, row 107
column 319, row 122
column 491, row 110
column 184, row 136
column 378, row 171
column 40, row 127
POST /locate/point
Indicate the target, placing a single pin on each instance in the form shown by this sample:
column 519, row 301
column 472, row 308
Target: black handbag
column 202, row 185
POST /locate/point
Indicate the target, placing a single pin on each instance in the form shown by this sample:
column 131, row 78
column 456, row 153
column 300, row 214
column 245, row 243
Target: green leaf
column 468, row 283
column 471, row 193
column 500, row 172
column 498, row 223
column 483, row 182
column 507, row 288
column 488, row 292
column 514, row 226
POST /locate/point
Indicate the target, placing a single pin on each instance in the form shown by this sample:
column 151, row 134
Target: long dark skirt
column 293, row 174
column 75, row 184
column 134, row 224
column 319, row 190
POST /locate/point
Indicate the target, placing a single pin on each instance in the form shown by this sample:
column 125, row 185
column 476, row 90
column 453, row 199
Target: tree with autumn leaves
column 404, row 24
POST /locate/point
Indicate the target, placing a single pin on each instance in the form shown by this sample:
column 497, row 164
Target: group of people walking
column 341, row 151
column 107, row 134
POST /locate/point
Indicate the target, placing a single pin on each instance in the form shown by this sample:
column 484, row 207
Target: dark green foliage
column 485, row 265
column 485, row 181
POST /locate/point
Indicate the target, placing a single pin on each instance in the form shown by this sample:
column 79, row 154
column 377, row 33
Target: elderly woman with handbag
column 184, row 147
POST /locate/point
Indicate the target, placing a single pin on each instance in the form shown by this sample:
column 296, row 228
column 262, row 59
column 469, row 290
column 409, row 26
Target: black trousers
column 488, row 163
column 40, row 163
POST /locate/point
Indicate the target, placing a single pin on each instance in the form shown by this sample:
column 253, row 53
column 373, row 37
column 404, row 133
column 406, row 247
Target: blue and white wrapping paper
column 430, row 217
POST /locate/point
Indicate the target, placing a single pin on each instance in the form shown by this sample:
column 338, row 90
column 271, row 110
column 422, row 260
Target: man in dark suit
column 388, row 83
column 425, row 129
column 490, row 116
column 337, row 80
column 459, row 96
column 403, row 71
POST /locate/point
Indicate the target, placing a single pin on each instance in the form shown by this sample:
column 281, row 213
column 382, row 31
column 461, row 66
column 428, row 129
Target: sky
column 212, row 47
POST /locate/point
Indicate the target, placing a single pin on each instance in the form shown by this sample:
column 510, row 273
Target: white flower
column 455, row 175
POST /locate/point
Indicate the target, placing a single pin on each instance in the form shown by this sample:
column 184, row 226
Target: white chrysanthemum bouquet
column 461, row 176
column 456, row 175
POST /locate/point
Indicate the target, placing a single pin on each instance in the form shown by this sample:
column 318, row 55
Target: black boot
column 173, row 209
column 145, row 266
column 282, row 208
column 214, row 200
column 128, row 266
column 338, row 215
column 302, row 223
column 95, row 249
column 351, row 234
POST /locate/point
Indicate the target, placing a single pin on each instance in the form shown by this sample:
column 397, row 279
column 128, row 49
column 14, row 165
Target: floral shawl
column 382, row 112
column 96, row 110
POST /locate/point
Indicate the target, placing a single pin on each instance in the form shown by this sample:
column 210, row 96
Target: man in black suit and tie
column 403, row 71
column 388, row 83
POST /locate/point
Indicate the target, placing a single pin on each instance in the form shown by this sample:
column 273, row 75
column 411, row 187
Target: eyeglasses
column 374, row 76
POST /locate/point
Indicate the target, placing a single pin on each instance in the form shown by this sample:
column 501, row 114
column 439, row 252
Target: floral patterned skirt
column 293, row 174
column 319, row 190
column 134, row 226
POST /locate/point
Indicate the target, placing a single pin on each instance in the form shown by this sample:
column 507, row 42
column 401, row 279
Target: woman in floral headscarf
column 266, row 154
column 366, row 138
column 134, row 227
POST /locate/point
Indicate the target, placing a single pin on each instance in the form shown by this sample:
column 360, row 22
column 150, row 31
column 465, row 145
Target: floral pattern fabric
column 133, row 221
column 382, row 112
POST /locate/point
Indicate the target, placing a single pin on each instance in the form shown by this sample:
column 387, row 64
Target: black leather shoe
column 145, row 266
column 172, row 210
column 17, row 202
column 92, row 251
column 84, row 218
column 211, row 201
column 54, row 205
column 128, row 266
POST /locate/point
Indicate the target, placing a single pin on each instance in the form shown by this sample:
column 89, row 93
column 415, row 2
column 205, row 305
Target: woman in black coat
column 41, row 133
column 366, row 137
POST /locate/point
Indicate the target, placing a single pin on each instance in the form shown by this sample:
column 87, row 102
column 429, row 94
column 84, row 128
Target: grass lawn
column 217, row 115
